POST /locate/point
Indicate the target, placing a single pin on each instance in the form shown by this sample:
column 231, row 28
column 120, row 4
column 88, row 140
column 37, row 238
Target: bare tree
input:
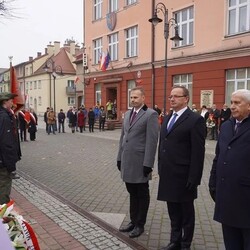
column 6, row 9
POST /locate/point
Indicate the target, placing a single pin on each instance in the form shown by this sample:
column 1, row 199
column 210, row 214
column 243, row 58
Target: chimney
column 50, row 50
column 46, row 51
column 77, row 49
column 57, row 47
column 72, row 48
column 30, row 58
column 39, row 54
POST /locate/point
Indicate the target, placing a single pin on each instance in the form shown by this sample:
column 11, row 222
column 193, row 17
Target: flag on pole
column 104, row 61
column 15, row 89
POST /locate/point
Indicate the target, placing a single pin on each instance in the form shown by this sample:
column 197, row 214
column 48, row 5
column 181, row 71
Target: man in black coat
column 225, row 114
column 180, row 163
column 229, row 182
column 216, row 116
column 9, row 147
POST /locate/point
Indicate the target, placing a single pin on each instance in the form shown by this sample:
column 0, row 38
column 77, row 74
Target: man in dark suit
column 229, row 182
column 225, row 114
column 136, row 156
column 180, row 163
column 216, row 117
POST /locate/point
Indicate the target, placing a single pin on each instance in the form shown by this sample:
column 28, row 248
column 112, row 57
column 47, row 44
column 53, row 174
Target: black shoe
column 137, row 231
column 127, row 228
column 172, row 246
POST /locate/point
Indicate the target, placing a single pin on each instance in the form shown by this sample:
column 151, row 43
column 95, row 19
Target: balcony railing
column 70, row 91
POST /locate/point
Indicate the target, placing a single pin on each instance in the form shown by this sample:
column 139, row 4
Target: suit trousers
column 182, row 217
column 236, row 238
column 139, row 202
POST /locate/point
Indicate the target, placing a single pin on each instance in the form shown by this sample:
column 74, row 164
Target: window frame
column 113, row 5
column 130, row 2
column 188, row 39
column 113, row 45
column 97, row 50
column 236, row 23
column 131, row 41
column 97, row 9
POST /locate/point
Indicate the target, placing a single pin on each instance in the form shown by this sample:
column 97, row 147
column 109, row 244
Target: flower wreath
column 20, row 232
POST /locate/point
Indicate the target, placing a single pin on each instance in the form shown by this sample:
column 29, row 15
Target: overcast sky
column 39, row 22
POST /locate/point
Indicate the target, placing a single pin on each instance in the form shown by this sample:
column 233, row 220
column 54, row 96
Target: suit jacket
column 181, row 157
column 138, row 143
column 230, row 175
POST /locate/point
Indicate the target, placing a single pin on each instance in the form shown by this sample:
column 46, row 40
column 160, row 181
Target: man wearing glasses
column 180, row 163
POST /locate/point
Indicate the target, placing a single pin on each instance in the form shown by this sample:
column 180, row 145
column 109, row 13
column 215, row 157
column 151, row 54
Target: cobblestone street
column 67, row 172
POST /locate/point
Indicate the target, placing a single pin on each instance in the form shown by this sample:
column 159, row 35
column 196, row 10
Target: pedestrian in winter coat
column 91, row 116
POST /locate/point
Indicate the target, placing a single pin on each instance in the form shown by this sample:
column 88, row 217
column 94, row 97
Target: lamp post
column 53, row 70
column 160, row 7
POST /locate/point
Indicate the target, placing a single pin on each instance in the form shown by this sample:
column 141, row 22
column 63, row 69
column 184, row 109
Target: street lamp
column 53, row 70
column 160, row 7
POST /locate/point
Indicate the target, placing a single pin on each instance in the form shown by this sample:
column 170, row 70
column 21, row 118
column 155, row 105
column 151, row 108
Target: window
column 129, row 2
column 185, row 20
column 31, row 100
column 98, row 93
column 97, row 50
column 39, row 100
column 39, row 84
column 30, row 85
column 71, row 83
column 131, row 85
column 71, row 101
column 35, row 85
column 238, row 16
column 113, row 46
column 113, row 5
column 236, row 79
column 131, row 41
column 186, row 81
column 97, row 9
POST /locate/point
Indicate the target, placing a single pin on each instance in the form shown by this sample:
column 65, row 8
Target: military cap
column 4, row 96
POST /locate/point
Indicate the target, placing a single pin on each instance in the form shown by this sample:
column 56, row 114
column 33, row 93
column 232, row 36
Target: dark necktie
column 169, row 127
column 132, row 117
column 236, row 127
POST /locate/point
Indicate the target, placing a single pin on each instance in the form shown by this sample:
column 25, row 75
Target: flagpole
column 10, row 58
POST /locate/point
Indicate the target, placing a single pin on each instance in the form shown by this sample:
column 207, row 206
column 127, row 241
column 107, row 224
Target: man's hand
column 212, row 192
column 147, row 171
column 118, row 165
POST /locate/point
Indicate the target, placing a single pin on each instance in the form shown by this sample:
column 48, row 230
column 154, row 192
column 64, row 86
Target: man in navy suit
column 180, row 163
column 229, row 183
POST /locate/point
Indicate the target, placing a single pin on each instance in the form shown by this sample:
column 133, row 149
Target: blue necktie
column 170, row 125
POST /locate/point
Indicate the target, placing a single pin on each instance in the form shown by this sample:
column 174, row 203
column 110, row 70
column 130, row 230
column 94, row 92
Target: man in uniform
column 9, row 148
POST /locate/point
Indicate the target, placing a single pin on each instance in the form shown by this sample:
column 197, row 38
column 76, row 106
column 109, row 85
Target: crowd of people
column 79, row 119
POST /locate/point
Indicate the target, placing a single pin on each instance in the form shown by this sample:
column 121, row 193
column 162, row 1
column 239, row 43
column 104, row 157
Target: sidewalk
column 50, row 235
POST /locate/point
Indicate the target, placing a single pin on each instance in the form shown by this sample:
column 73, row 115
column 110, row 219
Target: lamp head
column 176, row 37
column 155, row 19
